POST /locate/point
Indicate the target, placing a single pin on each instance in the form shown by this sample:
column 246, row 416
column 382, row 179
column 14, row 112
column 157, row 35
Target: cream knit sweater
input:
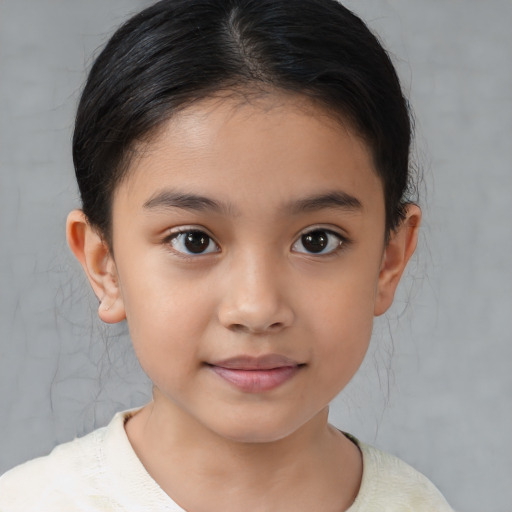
column 101, row 473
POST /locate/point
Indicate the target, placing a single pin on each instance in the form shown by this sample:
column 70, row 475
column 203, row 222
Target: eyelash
column 179, row 236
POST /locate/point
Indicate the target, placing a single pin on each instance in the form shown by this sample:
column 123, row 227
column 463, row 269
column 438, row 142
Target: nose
column 254, row 296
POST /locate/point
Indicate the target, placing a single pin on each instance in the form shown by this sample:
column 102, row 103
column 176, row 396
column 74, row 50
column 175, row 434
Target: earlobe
column 396, row 255
column 94, row 255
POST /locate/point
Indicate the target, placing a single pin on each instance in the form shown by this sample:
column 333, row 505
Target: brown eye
column 196, row 242
column 193, row 242
column 315, row 242
column 318, row 241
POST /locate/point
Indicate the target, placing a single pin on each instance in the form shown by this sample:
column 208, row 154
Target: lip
column 256, row 374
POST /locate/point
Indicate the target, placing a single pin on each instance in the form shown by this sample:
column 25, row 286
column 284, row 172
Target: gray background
column 436, row 386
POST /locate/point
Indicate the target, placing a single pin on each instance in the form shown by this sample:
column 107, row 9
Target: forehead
column 273, row 146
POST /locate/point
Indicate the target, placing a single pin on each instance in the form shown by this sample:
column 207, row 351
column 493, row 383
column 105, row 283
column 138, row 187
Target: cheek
column 345, row 300
column 157, row 297
column 165, row 316
column 346, row 330
column 343, row 345
column 342, row 315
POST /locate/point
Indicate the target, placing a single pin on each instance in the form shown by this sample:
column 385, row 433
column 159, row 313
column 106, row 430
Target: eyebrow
column 333, row 199
column 166, row 199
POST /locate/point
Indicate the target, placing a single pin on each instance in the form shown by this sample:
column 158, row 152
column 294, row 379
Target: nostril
column 238, row 328
column 276, row 326
column 255, row 316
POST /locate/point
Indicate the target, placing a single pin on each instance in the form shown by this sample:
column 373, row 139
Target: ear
column 397, row 253
column 93, row 253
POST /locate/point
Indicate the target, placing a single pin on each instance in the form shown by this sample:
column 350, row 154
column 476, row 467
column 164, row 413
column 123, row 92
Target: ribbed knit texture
column 101, row 473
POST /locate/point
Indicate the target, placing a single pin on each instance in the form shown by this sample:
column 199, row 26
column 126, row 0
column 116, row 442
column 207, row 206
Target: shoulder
column 390, row 482
column 54, row 482
column 97, row 473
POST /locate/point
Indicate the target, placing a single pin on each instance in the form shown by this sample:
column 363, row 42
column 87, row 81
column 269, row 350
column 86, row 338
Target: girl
column 243, row 169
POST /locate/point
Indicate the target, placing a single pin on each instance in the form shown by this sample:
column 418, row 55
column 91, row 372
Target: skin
column 255, row 291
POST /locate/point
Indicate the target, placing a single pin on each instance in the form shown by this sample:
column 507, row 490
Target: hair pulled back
column 177, row 52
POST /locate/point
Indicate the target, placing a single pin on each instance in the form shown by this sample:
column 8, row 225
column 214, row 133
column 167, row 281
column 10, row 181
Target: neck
column 183, row 455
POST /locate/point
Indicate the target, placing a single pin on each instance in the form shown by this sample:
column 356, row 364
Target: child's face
column 248, row 242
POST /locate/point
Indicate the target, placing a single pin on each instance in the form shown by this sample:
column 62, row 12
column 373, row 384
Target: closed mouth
column 256, row 374
column 247, row 362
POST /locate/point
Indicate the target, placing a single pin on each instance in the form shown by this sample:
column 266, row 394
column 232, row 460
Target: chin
column 260, row 430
